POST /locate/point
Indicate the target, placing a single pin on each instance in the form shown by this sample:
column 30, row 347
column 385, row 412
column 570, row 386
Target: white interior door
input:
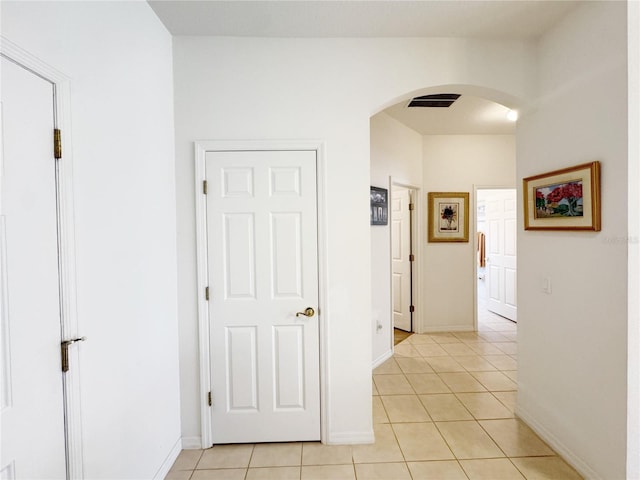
column 501, row 252
column 263, row 270
column 33, row 432
column 400, row 253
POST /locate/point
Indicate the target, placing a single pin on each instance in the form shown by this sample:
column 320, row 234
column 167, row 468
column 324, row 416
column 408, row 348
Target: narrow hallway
column 443, row 409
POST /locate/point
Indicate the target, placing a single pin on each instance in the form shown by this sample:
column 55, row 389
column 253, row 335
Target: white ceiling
column 467, row 116
column 494, row 19
column 515, row 19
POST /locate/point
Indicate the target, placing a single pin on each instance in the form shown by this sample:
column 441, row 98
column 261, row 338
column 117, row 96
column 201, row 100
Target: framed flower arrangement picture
column 448, row 214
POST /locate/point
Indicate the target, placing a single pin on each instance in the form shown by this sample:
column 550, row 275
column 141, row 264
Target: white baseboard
column 351, row 438
column 447, row 328
column 342, row 438
column 561, row 449
column 382, row 358
column 191, row 443
column 169, row 461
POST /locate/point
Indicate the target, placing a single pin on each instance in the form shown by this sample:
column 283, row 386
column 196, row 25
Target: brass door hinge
column 64, row 351
column 209, row 399
column 204, row 187
column 412, row 258
column 412, row 308
column 206, row 293
column 411, row 206
column 57, row 144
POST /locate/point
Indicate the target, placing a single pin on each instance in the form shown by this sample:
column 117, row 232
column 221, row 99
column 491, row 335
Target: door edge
column 66, row 247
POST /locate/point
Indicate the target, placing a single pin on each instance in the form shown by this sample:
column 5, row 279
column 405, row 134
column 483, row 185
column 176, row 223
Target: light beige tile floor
column 443, row 409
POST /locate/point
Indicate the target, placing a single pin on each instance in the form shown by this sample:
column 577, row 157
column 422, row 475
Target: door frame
column 70, row 327
column 416, row 281
column 475, row 243
column 201, row 149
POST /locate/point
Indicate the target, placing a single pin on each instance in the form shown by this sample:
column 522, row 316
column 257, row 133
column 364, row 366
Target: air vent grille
column 440, row 100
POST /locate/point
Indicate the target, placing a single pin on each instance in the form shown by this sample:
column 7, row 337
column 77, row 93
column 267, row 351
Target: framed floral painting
column 448, row 216
column 567, row 199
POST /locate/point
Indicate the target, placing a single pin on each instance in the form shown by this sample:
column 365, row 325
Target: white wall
column 260, row 88
column 396, row 151
column 573, row 343
column 457, row 163
column 633, row 341
column 118, row 56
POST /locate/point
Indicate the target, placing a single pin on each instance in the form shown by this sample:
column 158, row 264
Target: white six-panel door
column 400, row 251
column 32, row 416
column 501, row 252
column 261, row 214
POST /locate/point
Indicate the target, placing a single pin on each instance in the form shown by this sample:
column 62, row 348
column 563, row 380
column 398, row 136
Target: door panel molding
column 6, row 400
column 66, row 243
column 282, row 182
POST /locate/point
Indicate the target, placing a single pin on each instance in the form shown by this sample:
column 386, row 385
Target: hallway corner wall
column 572, row 384
column 118, row 57
column 396, row 151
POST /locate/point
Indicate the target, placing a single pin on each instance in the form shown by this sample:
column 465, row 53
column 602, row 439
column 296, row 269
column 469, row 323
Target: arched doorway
column 437, row 149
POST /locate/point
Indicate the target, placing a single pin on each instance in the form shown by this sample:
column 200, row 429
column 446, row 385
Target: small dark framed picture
column 379, row 206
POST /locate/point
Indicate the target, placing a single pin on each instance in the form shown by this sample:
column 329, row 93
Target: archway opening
column 441, row 148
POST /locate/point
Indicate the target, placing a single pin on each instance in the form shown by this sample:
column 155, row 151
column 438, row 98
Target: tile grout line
column 246, row 472
column 393, row 430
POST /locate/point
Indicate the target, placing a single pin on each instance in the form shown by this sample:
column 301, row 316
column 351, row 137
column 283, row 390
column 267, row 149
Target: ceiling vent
column 440, row 100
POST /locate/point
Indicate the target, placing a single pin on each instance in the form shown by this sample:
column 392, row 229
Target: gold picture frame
column 566, row 199
column 448, row 216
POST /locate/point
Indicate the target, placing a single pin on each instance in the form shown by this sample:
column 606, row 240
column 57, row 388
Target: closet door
column 33, row 428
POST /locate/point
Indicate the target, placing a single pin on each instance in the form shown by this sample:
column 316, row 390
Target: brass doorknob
column 308, row 312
